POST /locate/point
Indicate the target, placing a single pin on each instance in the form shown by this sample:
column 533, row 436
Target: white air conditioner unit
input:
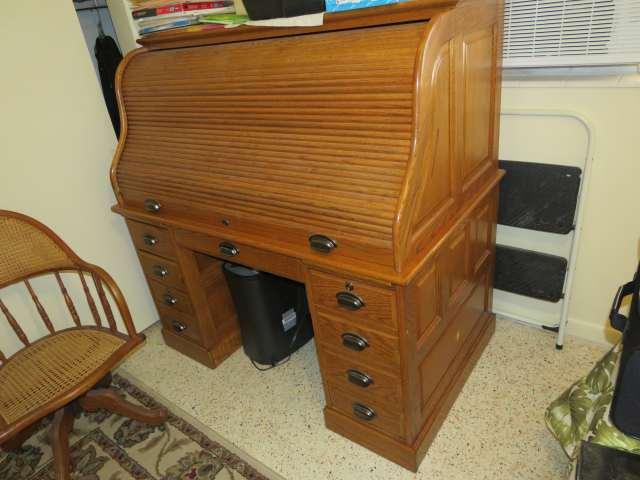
column 546, row 33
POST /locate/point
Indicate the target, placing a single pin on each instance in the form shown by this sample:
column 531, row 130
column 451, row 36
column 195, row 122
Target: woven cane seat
column 52, row 367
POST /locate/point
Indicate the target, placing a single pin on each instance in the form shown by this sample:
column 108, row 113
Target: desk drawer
column 358, row 245
column 151, row 238
column 232, row 251
column 363, row 381
column 161, row 270
column 356, row 407
column 357, row 344
column 371, row 306
column 180, row 323
column 171, row 298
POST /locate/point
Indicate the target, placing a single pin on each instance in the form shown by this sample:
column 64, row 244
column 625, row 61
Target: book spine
column 205, row 5
column 167, row 26
column 177, row 8
column 154, row 12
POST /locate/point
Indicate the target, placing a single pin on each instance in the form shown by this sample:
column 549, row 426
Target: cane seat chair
column 68, row 366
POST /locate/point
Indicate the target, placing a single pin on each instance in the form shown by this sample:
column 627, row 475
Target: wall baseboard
column 600, row 333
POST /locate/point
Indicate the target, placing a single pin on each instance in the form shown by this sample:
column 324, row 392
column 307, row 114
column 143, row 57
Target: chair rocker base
column 101, row 397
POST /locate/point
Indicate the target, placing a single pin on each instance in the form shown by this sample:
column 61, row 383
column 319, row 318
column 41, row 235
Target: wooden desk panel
column 388, row 422
column 152, row 239
column 161, row 270
column 381, row 351
column 385, row 388
column 378, row 310
column 379, row 131
column 243, row 254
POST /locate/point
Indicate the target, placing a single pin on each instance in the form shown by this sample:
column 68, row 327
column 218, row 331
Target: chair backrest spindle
column 41, row 310
column 68, row 301
column 92, row 304
column 105, row 303
column 12, row 321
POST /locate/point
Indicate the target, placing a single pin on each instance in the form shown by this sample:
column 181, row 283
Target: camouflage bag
column 582, row 411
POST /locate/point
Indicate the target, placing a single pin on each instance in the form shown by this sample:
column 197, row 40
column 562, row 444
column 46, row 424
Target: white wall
column 124, row 25
column 56, row 141
column 608, row 250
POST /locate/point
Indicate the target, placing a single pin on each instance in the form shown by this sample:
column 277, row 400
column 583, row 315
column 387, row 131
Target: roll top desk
column 359, row 158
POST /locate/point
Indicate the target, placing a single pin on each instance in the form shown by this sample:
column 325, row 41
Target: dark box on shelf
column 265, row 9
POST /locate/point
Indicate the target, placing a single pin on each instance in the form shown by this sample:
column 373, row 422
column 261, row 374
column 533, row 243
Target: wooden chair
column 68, row 367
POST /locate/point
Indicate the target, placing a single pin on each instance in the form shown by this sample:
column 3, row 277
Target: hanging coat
column 109, row 56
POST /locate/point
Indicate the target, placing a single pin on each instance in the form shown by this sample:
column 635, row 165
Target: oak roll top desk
column 359, row 158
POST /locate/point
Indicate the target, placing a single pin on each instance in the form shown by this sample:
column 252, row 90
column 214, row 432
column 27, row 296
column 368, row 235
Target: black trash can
column 272, row 311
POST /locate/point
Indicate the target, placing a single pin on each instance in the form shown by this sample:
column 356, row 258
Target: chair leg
column 16, row 442
column 59, row 437
column 105, row 382
column 109, row 400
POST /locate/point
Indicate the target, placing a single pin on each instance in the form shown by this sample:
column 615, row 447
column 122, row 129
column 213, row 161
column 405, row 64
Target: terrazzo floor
column 494, row 431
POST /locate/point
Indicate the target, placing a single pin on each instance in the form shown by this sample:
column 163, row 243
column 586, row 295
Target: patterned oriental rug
column 106, row 446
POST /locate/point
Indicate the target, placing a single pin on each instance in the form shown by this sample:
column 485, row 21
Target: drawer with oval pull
column 320, row 243
column 229, row 249
column 355, row 343
column 180, row 323
column 366, row 412
column 161, row 270
column 151, row 238
column 362, row 379
column 362, row 302
column 171, row 297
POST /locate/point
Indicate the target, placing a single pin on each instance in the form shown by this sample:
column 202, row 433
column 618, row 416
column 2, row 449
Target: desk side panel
column 456, row 125
column 447, row 309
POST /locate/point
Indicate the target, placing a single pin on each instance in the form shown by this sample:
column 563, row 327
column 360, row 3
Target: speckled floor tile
column 494, row 431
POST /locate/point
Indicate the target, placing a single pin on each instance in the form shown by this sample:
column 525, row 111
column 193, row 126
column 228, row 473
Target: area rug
column 106, row 446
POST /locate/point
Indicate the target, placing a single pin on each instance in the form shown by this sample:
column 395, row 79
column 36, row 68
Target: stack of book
column 158, row 15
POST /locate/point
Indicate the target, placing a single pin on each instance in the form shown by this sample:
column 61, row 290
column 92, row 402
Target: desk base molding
column 208, row 357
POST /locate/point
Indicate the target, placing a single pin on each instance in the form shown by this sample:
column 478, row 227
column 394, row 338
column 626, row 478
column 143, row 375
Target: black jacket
column 109, row 56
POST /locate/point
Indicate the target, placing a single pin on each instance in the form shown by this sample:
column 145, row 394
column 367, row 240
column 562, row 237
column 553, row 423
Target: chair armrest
column 115, row 292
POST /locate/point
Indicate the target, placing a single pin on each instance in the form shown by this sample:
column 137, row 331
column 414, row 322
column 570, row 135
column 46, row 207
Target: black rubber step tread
column 539, row 196
column 529, row 273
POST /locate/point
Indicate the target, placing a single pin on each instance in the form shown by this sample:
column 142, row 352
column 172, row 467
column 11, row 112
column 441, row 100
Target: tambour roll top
column 312, row 136
column 336, row 143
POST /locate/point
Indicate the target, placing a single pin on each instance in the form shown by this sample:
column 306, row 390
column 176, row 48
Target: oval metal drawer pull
column 322, row 243
column 152, row 205
column 177, row 326
column 169, row 299
column 354, row 341
column 358, row 378
column 160, row 271
column 228, row 249
column 363, row 412
column 349, row 300
column 150, row 240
